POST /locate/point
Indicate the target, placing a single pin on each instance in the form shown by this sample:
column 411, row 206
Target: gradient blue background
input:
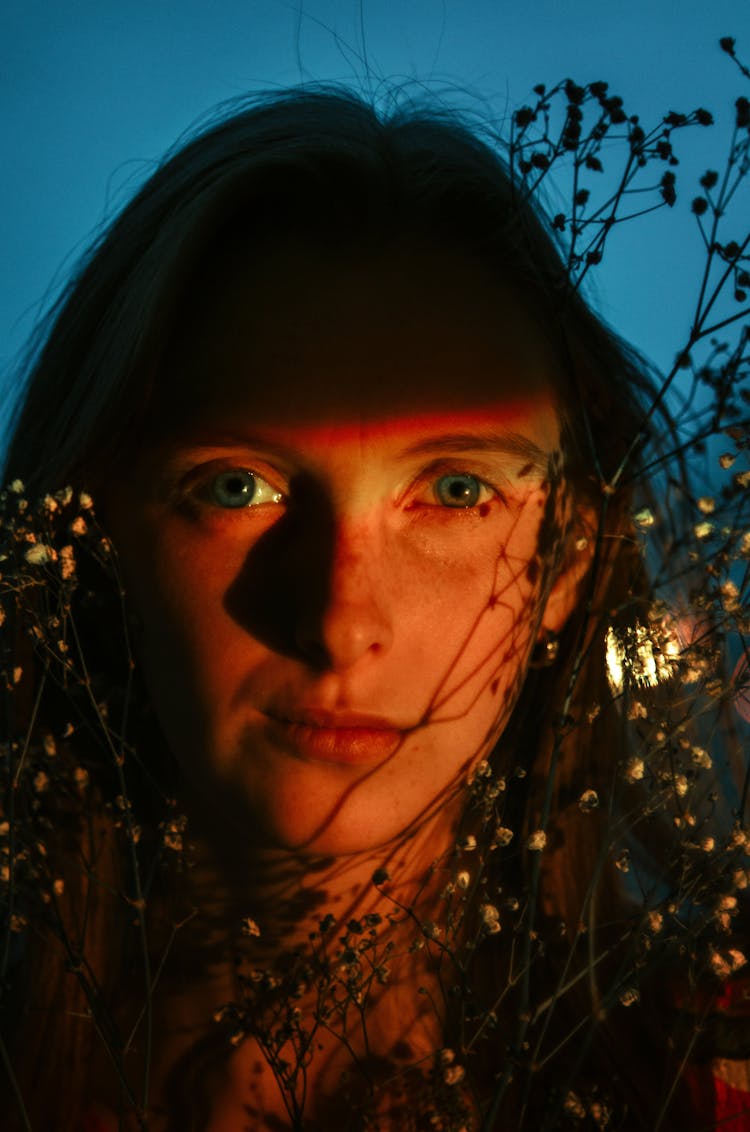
column 93, row 93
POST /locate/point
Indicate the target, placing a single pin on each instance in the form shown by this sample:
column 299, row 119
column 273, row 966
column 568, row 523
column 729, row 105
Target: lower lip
column 352, row 746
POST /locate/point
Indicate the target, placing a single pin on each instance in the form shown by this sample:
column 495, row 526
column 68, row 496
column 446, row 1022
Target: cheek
column 474, row 608
column 176, row 594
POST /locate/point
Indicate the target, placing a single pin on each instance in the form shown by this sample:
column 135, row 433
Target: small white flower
column 39, row 554
column 703, row 530
column 629, row 996
column 78, row 526
column 589, row 800
column 85, row 502
column 468, row 843
column 706, row 505
column 635, row 768
column 41, row 781
column 739, row 840
column 81, row 776
column 489, row 915
column 644, row 518
column 67, row 562
column 574, row 1105
column 655, row 921
column 503, row 835
column 454, row 1074
column 537, row 841
column 701, row 758
column 725, row 963
column 741, row 879
column 680, row 785
column 463, row 879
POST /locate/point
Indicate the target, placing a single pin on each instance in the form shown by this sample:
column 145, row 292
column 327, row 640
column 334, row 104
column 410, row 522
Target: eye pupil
column 234, row 489
column 458, row 490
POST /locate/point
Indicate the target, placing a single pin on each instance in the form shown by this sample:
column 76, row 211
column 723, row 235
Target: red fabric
column 717, row 1104
column 732, row 1108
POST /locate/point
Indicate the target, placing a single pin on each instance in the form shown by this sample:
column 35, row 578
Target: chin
column 267, row 799
column 337, row 836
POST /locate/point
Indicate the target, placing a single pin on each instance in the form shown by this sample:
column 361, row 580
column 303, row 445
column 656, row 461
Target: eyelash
column 194, row 491
column 197, row 490
column 433, row 475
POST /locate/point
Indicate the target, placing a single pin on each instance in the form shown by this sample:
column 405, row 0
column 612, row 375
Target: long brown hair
column 322, row 164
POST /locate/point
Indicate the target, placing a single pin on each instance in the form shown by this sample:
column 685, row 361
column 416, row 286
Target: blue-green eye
column 237, row 488
column 458, row 490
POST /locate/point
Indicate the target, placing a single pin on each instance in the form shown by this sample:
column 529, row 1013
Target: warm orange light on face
column 335, row 547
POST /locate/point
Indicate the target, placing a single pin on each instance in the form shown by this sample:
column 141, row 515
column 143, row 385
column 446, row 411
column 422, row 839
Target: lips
column 350, row 738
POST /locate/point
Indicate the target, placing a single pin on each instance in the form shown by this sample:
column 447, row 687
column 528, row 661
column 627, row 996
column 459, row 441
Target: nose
column 354, row 619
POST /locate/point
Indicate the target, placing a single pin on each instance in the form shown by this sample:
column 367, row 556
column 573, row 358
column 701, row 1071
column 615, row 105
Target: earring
column 545, row 651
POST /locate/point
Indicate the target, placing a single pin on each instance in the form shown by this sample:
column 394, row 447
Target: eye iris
column 458, row 491
column 234, row 489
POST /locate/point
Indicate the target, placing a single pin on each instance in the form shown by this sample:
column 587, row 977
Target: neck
column 332, row 946
column 286, row 894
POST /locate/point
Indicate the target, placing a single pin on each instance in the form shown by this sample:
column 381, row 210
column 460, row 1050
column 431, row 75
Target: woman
column 324, row 814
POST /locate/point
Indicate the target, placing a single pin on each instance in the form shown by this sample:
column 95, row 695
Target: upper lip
column 334, row 720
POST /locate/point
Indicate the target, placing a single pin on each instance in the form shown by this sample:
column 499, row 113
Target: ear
column 567, row 587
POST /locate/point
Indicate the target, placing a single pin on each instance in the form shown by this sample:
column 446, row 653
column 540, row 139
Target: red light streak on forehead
column 526, row 431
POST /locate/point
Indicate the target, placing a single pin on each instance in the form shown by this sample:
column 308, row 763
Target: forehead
column 308, row 337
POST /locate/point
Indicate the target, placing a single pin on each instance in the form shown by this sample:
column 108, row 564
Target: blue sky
column 91, row 94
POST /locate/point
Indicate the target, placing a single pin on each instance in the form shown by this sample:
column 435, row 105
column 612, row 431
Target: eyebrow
column 509, row 443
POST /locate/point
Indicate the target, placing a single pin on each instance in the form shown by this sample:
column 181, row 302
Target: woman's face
column 334, row 546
